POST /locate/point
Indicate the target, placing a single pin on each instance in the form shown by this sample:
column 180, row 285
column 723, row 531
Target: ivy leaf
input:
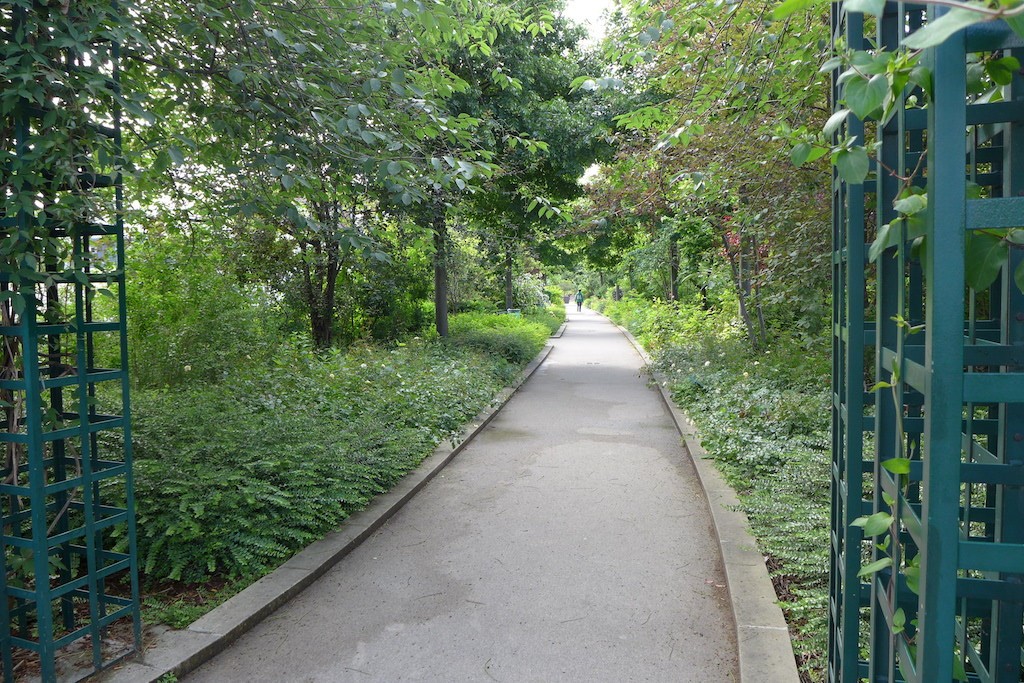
column 937, row 30
column 897, row 465
column 852, row 164
column 986, row 255
column 865, row 96
column 875, row 566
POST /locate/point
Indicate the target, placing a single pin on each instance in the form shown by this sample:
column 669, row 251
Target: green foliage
column 513, row 338
column 761, row 418
column 186, row 320
column 550, row 317
column 659, row 324
column 233, row 478
column 528, row 293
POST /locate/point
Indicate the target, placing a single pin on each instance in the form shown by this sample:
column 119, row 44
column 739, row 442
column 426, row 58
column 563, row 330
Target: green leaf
column 897, row 465
column 800, row 153
column 791, row 6
column 865, row 96
column 889, row 500
column 913, row 576
column 959, row 672
column 835, row 121
column 899, row 620
column 985, row 255
column 938, row 30
column 879, row 385
column 911, row 204
column 874, row 7
column 852, row 164
column 875, row 524
column 394, row 168
column 1016, row 24
column 831, row 65
column 177, row 156
column 236, row 75
column 875, row 566
column 1002, row 70
column 888, row 236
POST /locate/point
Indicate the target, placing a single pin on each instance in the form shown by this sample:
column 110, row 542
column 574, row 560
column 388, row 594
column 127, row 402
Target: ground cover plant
column 233, row 477
column 762, row 416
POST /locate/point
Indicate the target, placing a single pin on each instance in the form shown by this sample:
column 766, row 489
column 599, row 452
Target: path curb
column 762, row 637
column 179, row 652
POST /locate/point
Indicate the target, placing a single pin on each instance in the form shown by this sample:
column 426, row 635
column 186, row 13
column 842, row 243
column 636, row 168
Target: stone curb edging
column 762, row 637
column 179, row 652
column 558, row 333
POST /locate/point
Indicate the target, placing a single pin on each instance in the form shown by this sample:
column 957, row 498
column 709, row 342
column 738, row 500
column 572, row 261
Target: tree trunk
column 509, row 303
column 440, row 229
column 736, row 265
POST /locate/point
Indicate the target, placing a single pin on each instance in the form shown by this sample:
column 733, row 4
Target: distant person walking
column 579, row 299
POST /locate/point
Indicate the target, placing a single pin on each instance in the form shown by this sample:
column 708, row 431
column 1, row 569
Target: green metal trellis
column 66, row 494
column 958, row 529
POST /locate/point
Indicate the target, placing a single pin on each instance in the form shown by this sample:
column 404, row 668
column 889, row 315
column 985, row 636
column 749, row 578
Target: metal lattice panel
column 68, row 530
column 957, row 535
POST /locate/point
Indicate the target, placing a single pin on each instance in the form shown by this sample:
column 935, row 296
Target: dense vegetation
column 314, row 188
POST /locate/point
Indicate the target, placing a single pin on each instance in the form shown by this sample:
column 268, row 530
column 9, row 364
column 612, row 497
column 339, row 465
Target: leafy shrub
column 515, row 339
column 528, row 293
column 657, row 324
column 233, row 478
column 550, row 317
column 187, row 320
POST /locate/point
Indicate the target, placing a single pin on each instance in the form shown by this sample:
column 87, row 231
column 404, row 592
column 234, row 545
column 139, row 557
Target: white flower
column 188, row 368
column 746, row 374
column 707, row 363
column 331, row 375
column 362, row 365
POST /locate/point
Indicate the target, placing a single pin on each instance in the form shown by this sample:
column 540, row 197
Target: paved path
column 570, row 541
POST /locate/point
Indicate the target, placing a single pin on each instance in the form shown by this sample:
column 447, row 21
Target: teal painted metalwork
column 66, row 489
column 953, row 599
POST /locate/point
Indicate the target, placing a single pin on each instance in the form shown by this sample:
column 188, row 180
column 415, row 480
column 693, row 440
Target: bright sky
column 588, row 13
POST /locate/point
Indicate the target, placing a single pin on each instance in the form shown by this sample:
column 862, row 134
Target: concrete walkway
column 569, row 541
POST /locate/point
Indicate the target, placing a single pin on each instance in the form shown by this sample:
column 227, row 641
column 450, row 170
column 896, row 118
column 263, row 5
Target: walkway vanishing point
column 570, row 540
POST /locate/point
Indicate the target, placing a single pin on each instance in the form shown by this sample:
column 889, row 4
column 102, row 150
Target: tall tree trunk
column 440, row 228
column 508, row 278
